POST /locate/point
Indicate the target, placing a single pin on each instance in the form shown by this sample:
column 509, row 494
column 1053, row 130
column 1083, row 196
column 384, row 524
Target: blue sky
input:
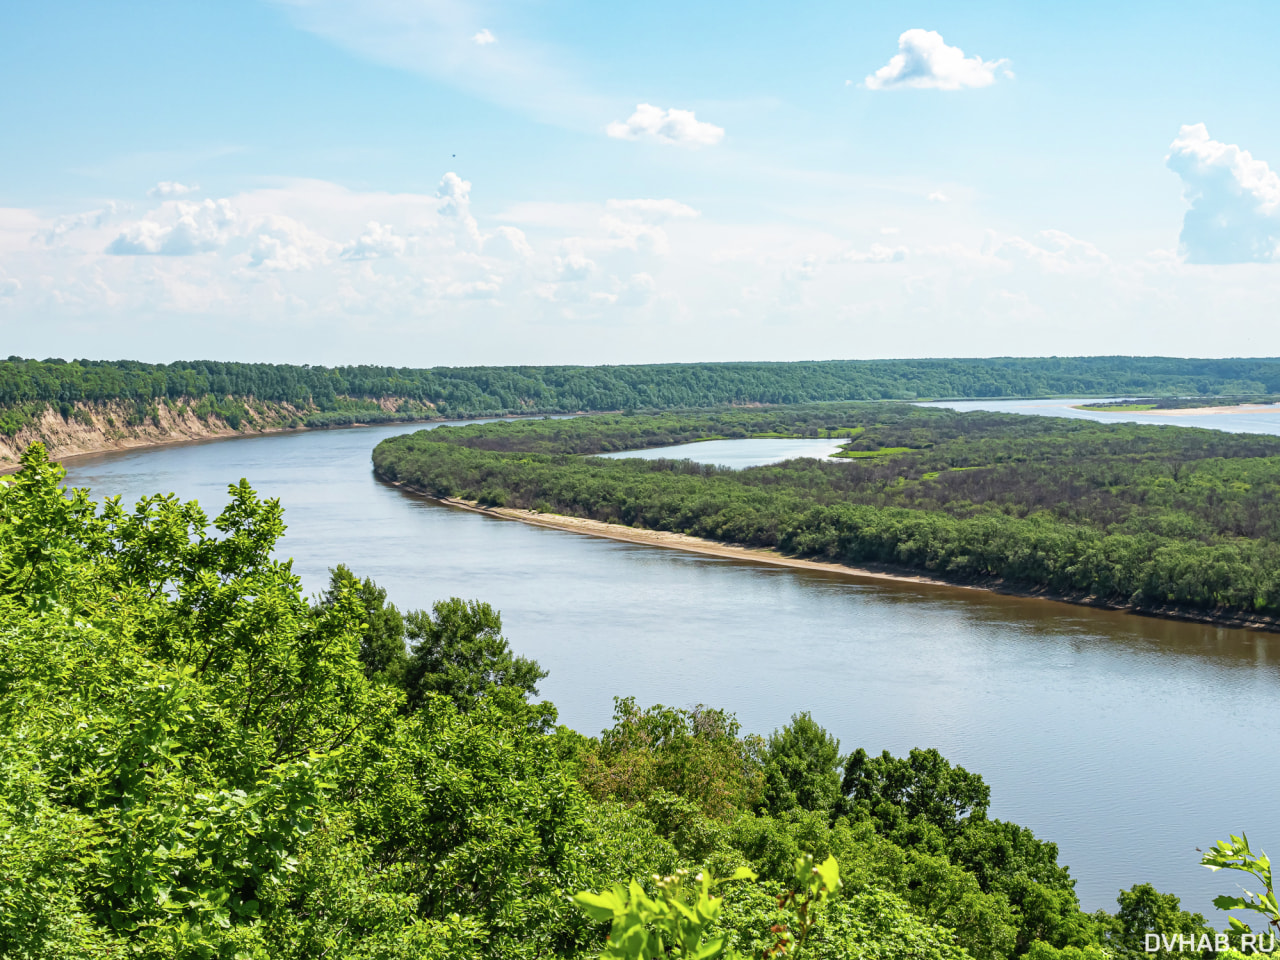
column 422, row 182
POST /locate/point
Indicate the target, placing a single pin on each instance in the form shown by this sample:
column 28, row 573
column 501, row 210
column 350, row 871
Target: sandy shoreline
column 713, row 548
column 682, row 541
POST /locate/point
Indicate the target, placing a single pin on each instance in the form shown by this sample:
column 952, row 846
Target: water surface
column 1128, row 741
column 747, row 452
column 1250, row 419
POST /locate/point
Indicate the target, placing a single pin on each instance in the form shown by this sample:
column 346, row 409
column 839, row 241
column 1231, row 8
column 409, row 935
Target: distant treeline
column 1145, row 515
column 469, row 391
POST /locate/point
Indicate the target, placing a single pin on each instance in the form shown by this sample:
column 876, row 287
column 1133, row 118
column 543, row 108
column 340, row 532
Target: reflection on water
column 748, row 452
column 1128, row 741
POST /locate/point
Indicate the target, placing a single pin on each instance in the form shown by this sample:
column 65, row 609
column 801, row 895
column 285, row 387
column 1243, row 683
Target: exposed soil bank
column 680, row 541
column 116, row 425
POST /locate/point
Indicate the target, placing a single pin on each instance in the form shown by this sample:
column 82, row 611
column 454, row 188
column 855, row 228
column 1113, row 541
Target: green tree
column 801, row 767
column 382, row 635
column 919, row 788
column 458, row 652
column 1144, row 911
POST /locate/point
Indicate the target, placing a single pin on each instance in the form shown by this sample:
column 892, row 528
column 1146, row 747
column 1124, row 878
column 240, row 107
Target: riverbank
column 730, row 551
column 105, row 428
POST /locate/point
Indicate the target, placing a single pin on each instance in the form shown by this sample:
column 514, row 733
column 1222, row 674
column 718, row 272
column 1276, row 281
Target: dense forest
column 1157, row 517
column 197, row 761
column 470, row 391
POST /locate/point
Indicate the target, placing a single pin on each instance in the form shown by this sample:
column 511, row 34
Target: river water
column 1128, row 741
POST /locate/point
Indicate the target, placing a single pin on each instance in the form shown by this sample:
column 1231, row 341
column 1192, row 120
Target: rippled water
column 1128, row 741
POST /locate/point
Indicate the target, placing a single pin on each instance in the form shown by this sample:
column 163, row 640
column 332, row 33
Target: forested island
column 1165, row 519
column 199, row 762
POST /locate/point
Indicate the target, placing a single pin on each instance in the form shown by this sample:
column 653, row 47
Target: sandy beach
column 713, row 548
column 681, row 541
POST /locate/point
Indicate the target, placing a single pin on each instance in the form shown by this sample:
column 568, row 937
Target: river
column 1128, row 741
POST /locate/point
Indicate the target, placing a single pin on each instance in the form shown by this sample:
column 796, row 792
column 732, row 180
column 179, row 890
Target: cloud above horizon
column 1235, row 200
column 345, row 273
column 171, row 188
column 672, row 126
column 924, row 61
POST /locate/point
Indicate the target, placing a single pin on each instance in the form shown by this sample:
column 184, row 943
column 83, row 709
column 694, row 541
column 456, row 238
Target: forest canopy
column 196, row 761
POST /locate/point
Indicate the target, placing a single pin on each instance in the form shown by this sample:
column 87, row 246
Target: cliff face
column 118, row 425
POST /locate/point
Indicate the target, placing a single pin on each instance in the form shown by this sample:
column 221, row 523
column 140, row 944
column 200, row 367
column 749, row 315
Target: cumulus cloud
column 1055, row 252
column 878, row 253
column 195, row 228
column 1235, row 200
column 167, row 189
column 455, row 203
column 509, row 243
column 90, row 219
column 9, row 287
column 666, row 126
column 924, row 61
column 640, row 237
column 939, row 197
column 574, row 267
column 484, row 38
column 654, row 211
column 375, row 242
column 281, row 243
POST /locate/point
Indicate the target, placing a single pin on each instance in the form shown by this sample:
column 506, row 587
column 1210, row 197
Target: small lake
column 1128, row 741
column 750, row 452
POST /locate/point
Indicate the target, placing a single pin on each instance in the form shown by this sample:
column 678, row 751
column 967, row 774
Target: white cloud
column 924, row 61
column 654, row 211
column 640, row 237
column 666, row 126
column 878, row 253
column 638, row 291
column 455, row 202
column 1235, row 200
column 474, row 289
column 509, row 243
column 282, row 243
column 90, row 220
column 574, row 267
column 1056, row 252
column 167, row 189
column 484, row 38
column 194, row 228
column 597, row 282
column 438, row 39
column 939, row 197
column 375, row 242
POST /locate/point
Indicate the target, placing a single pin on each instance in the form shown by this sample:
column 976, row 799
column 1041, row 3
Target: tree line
column 1152, row 516
column 196, row 761
column 472, row 391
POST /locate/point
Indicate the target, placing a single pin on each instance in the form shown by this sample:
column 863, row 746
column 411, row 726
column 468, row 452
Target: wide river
column 1128, row 741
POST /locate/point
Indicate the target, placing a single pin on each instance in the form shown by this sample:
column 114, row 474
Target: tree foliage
column 195, row 762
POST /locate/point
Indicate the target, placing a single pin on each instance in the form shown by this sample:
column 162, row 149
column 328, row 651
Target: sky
column 427, row 182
